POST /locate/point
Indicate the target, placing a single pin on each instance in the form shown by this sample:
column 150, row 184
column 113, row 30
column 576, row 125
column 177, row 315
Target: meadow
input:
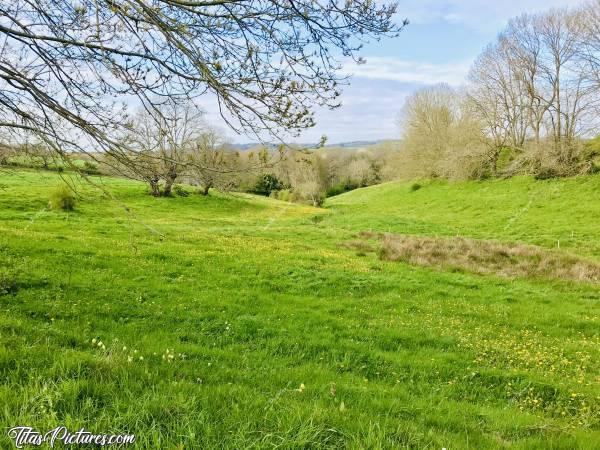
column 237, row 321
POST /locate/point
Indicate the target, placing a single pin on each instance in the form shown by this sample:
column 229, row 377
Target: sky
column 440, row 44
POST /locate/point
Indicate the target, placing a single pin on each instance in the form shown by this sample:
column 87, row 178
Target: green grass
column 550, row 213
column 255, row 297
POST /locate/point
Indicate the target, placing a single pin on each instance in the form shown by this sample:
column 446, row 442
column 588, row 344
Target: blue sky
column 439, row 45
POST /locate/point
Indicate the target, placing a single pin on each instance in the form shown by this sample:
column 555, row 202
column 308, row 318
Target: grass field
column 232, row 321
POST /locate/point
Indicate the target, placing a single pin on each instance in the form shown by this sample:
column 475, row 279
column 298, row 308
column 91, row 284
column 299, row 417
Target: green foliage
column 317, row 219
column 62, row 197
column 506, row 156
column 90, row 168
column 266, row 184
column 592, row 152
column 258, row 328
column 10, row 268
column 341, row 187
column 285, row 195
column 180, row 191
column 546, row 173
column 415, row 187
column 319, row 199
column 593, row 146
column 516, row 209
column 8, row 280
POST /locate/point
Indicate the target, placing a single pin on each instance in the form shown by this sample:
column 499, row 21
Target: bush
column 415, row 187
column 547, row 159
column 341, row 187
column 318, row 199
column 546, row 173
column 180, row 191
column 592, row 155
column 592, row 146
column 90, row 168
column 62, row 198
column 266, row 184
column 285, row 195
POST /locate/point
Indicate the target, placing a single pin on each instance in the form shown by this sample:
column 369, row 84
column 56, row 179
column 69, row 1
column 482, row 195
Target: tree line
column 530, row 105
column 68, row 70
column 175, row 147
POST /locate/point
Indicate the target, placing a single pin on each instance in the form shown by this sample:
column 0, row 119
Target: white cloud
column 394, row 69
column 475, row 14
column 453, row 18
column 372, row 101
column 369, row 111
column 378, row 88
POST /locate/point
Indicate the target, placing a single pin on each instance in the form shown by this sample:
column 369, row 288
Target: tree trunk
column 206, row 189
column 495, row 155
column 154, row 187
column 169, row 184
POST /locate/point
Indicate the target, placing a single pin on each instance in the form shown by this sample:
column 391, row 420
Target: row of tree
column 532, row 98
column 69, row 72
column 176, row 145
column 69, row 69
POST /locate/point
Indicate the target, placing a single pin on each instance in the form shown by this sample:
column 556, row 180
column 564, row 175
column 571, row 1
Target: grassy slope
column 521, row 209
column 259, row 298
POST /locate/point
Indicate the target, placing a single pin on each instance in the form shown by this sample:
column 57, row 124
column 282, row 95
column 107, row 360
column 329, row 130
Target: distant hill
column 355, row 144
column 348, row 145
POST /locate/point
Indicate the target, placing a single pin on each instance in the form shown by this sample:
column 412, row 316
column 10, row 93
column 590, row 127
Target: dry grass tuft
column 488, row 257
column 361, row 242
column 370, row 235
column 361, row 246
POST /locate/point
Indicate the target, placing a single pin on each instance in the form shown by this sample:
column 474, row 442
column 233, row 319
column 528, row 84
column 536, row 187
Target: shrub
column 415, row 187
column 62, row 197
column 334, row 190
column 341, row 187
column 292, row 196
column 318, row 199
column 546, row 173
column 90, row 168
column 266, row 184
column 592, row 146
column 180, row 191
column 285, row 195
column 552, row 160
